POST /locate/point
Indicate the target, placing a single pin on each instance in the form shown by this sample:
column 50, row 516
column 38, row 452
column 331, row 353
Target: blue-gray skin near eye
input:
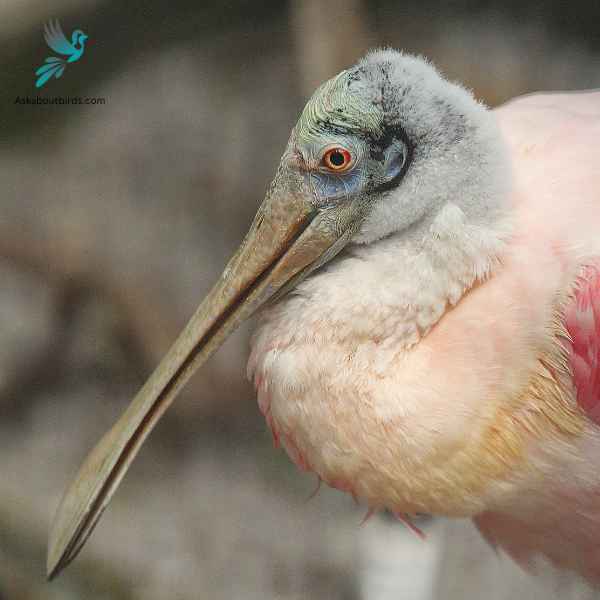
column 379, row 154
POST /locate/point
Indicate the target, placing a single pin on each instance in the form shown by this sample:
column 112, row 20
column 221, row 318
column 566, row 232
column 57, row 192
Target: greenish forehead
column 338, row 106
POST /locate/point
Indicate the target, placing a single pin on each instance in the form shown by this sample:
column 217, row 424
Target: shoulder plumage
column 582, row 322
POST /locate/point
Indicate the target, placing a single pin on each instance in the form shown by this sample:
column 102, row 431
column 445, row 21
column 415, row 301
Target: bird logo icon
column 56, row 40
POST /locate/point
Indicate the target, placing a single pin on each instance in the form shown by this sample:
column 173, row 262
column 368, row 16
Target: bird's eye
column 337, row 159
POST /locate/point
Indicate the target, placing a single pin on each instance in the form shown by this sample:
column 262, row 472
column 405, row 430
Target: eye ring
column 337, row 159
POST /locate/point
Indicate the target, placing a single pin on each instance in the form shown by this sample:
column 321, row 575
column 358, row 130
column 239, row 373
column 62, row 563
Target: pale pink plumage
column 457, row 424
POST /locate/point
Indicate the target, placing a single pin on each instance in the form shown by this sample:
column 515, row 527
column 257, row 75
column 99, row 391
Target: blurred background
column 115, row 219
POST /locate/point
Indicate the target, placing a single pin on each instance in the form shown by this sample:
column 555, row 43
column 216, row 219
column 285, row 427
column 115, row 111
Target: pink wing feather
column 582, row 320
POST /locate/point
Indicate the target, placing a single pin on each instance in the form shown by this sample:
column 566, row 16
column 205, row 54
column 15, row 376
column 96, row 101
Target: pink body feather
column 453, row 425
column 582, row 319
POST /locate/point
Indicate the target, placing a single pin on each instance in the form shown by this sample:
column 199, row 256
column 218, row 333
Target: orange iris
column 337, row 159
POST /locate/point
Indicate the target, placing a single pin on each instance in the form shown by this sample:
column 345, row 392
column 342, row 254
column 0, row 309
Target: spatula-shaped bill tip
column 287, row 239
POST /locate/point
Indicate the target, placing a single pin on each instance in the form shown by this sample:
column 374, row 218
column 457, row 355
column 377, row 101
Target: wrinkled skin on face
column 337, row 116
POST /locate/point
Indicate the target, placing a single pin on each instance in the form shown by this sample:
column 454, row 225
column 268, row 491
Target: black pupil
column 336, row 158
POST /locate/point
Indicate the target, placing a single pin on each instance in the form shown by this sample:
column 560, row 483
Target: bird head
column 395, row 141
column 78, row 37
column 378, row 149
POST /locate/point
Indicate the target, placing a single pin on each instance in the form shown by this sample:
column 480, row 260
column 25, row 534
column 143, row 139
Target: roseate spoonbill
column 430, row 344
